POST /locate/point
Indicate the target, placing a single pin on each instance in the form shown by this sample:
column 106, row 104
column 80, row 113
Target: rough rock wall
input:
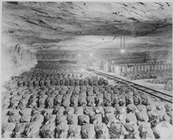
column 16, row 58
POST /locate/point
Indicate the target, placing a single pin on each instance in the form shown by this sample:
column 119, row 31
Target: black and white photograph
column 87, row 69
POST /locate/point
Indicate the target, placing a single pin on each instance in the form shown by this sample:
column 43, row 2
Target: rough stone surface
column 80, row 25
column 85, row 26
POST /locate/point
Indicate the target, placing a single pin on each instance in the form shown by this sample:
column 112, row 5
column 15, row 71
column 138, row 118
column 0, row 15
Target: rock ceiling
column 88, row 25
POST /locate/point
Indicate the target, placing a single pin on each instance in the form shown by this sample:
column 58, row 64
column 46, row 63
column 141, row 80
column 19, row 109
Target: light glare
column 122, row 51
column 91, row 54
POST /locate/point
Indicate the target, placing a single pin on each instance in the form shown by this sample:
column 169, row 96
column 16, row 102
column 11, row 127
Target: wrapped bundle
column 25, row 111
column 142, row 108
column 91, row 100
column 109, row 109
column 37, row 117
column 99, row 99
column 168, row 107
column 14, row 101
column 116, row 130
column 132, row 131
column 145, row 130
column 83, row 119
column 145, row 100
column 72, row 119
column 74, row 132
column 14, row 116
column 121, row 100
column 121, row 114
column 136, row 99
column 63, row 91
column 95, row 82
column 83, row 89
column 151, row 107
column 109, row 119
column 61, row 119
column 114, row 99
column 85, row 82
column 90, row 92
column 33, row 102
column 90, row 82
column 131, row 108
column 88, row 131
column 5, row 118
column 7, row 129
column 50, row 101
column 69, row 110
column 26, row 96
column 107, row 99
column 105, row 82
column 96, row 119
column 19, row 130
column 82, row 99
column 74, row 99
column 66, row 82
column 76, row 89
column 25, row 118
column 131, row 118
column 78, row 110
column 153, row 117
column 99, row 110
column 66, row 100
column 96, row 90
column 5, row 103
column 88, row 111
column 49, row 118
column 129, row 99
column 61, row 130
column 22, row 104
column 35, row 83
column 59, row 110
column 100, row 81
column 41, row 83
column 47, row 130
column 162, row 115
column 163, row 130
column 142, row 116
column 56, row 92
column 58, row 99
column 32, row 130
column 41, row 101
column 160, row 106
column 101, row 131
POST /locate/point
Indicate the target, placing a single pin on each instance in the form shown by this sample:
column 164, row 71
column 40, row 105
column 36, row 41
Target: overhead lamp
column 79, row 55
column 122, row 50
column 91, row 54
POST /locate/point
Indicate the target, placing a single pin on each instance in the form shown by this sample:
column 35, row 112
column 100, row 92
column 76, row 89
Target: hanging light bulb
column 122, row 50
column 122, row 44
column 91, row 54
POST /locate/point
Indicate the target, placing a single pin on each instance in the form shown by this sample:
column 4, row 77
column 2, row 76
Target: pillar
column 119, row 69
column 134, row 67
column 138, row 67
column 116, row 69
column 125, row 68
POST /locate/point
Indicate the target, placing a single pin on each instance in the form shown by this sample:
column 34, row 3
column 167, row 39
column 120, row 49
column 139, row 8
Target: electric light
column 79, row 55
column 122, row 50
column 91, row 54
